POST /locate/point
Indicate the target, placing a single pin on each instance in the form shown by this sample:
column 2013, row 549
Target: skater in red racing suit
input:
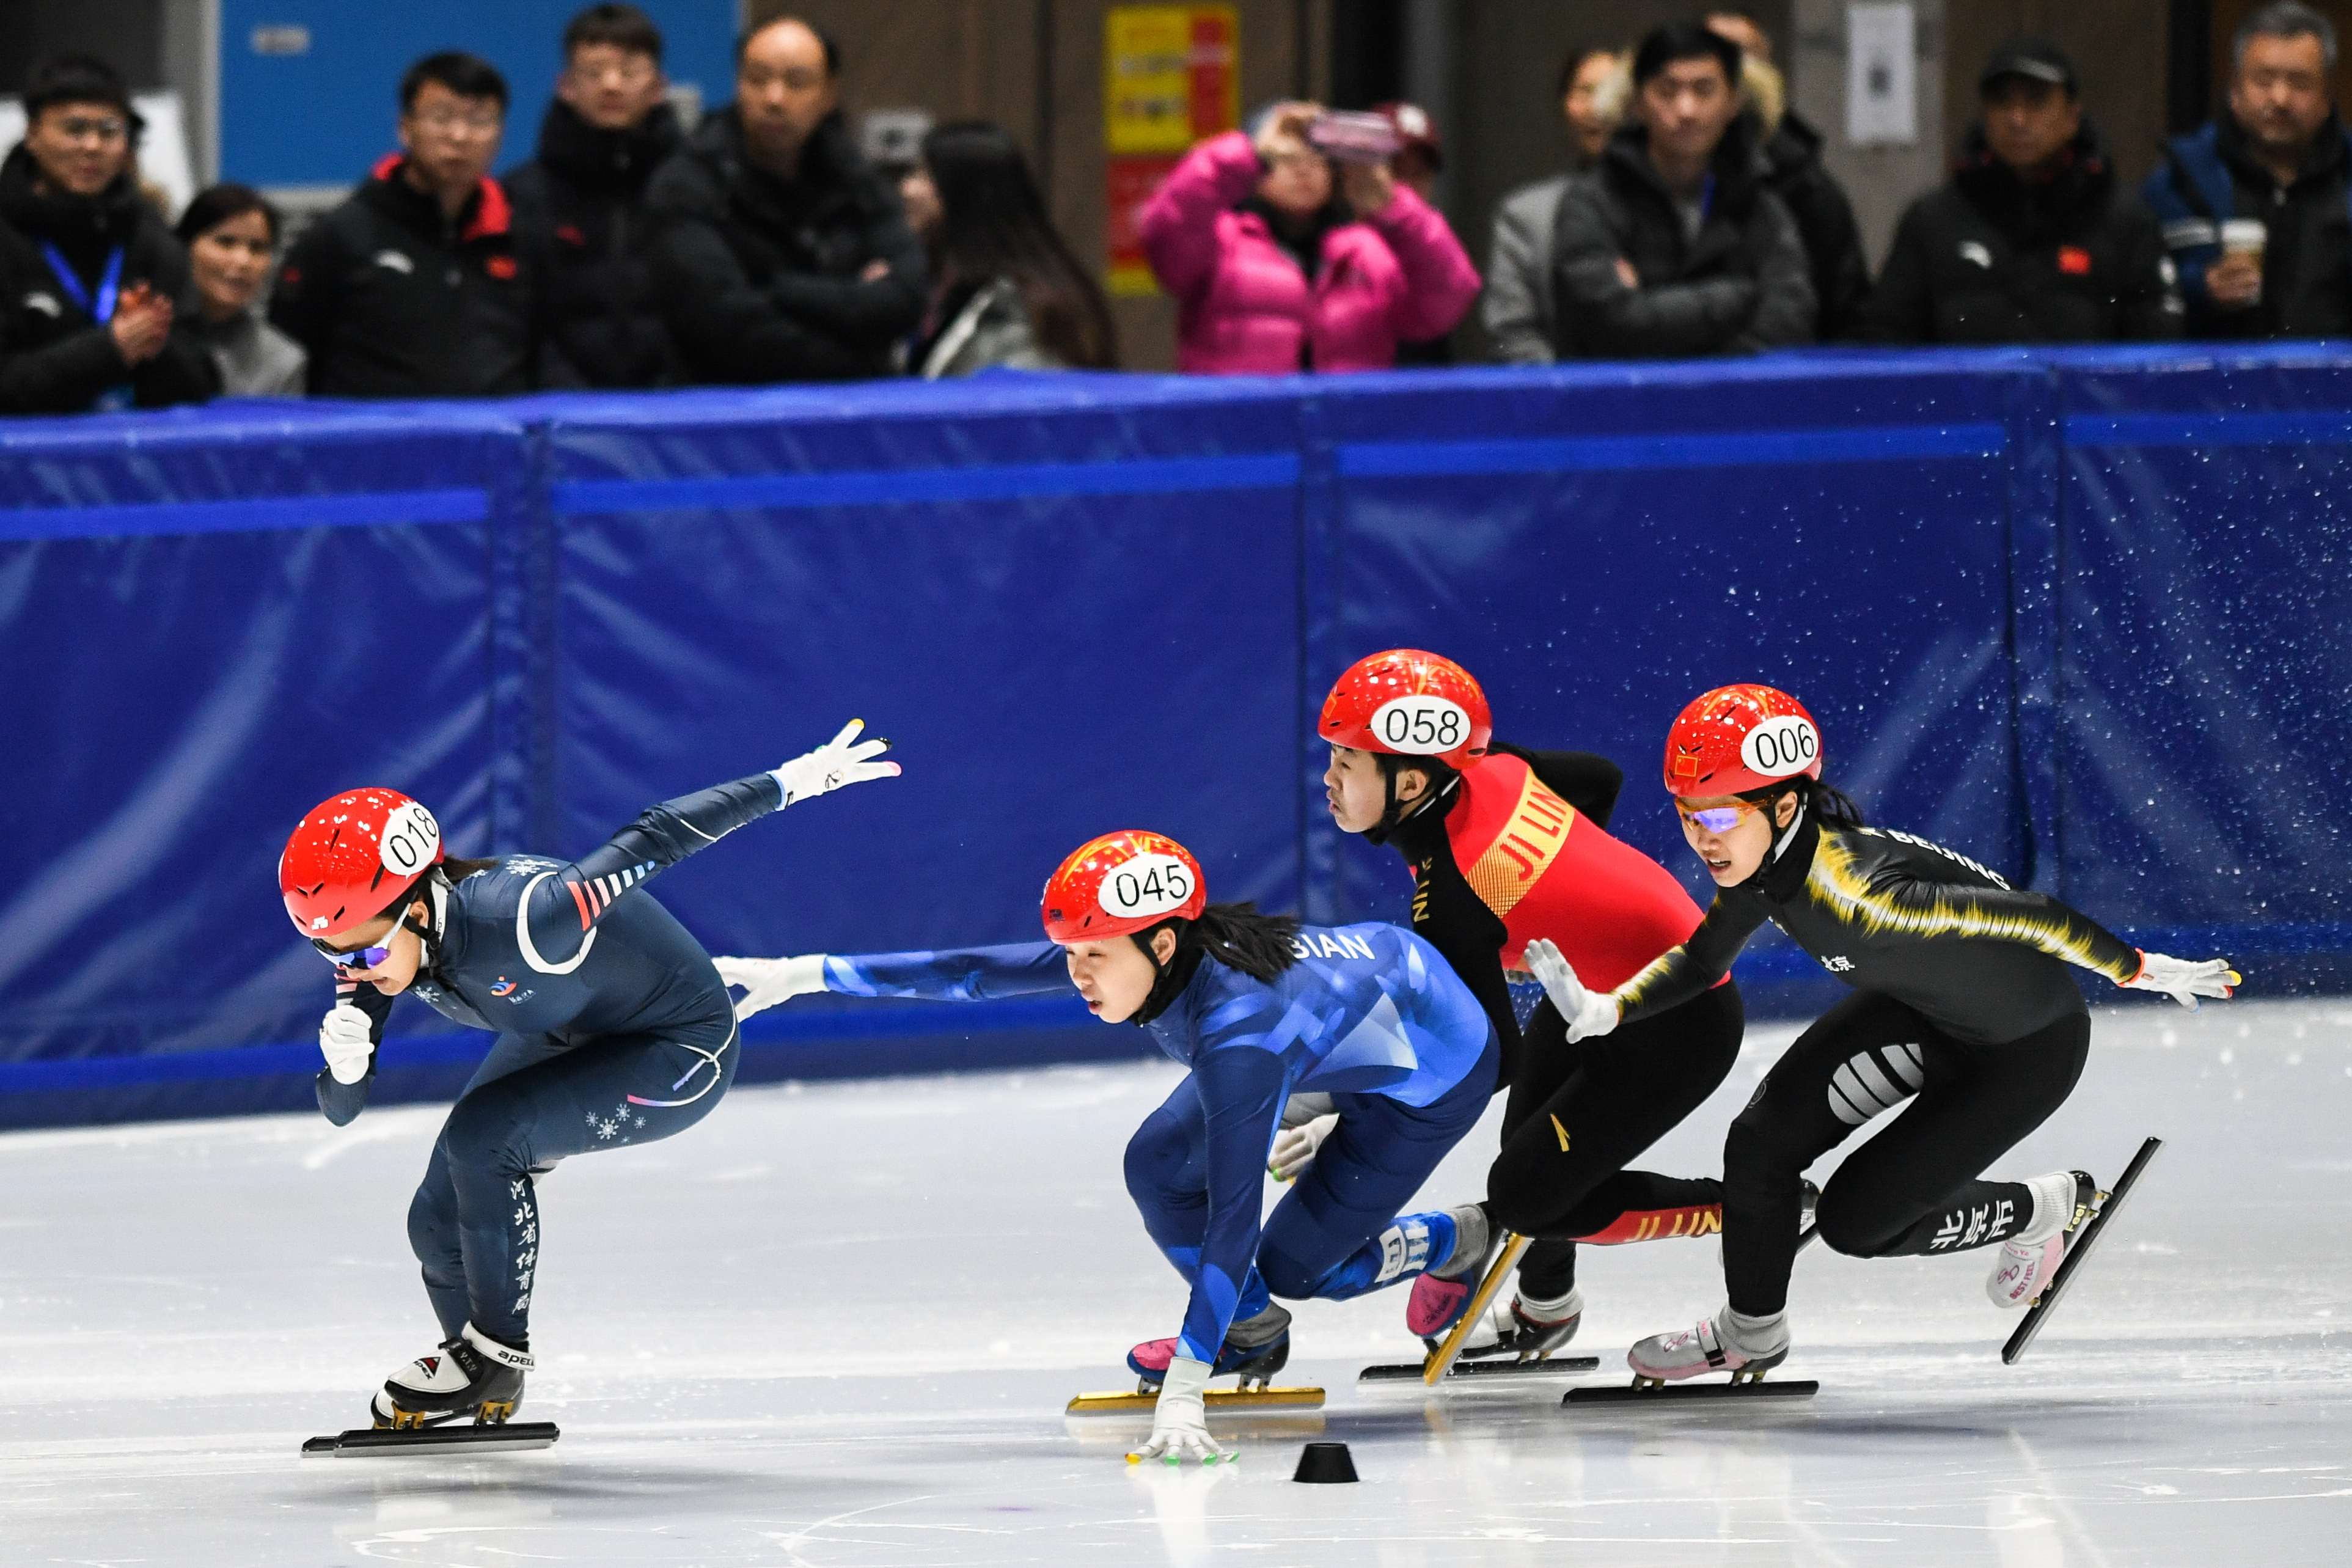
column 1507, row 847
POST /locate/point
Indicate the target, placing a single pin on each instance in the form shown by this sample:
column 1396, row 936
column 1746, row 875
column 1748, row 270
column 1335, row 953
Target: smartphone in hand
column 1354, row 137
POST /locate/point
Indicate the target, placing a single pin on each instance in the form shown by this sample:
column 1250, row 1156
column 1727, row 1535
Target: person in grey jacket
column 1674, row 247
column 232, row 235
column 1517, row 308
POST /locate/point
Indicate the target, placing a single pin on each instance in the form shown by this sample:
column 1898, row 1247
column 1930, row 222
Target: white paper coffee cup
column 2244, row 237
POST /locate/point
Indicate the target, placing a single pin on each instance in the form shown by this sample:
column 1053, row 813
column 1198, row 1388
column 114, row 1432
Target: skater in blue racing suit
column 613, row 1029
column 1259, row 1008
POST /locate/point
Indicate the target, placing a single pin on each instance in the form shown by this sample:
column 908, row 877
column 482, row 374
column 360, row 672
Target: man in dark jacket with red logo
column 580, row 206
column 94, row 291
column 415, row 287
column 2030, row 241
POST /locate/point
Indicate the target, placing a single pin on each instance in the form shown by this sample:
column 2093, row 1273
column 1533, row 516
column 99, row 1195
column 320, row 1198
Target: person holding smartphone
column 1286, row 255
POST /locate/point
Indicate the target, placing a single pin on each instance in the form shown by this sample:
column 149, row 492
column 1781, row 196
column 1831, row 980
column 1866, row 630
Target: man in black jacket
column 2276, row 169
column 91, row 279
column 415, row 287
column 2030, row 241
column 580, row 206
column 1673, row 246
column 1817, row 204
column 778, row 255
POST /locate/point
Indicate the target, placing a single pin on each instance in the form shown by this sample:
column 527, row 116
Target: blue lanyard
column 1705, row 200
column 109, row 283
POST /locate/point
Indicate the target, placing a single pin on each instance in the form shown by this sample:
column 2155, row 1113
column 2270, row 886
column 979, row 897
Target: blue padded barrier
column 2079, row 615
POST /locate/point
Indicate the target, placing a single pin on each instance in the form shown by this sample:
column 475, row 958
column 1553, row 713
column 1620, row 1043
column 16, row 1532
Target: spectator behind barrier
column 231, row 233
column 2275, row 173
column 1419, row 159
column 415, row 287
column 1817, row 204
column 1008, row 291
column 91, row 283
column 580, row 206
column 1273, row 272
column 1675, row 246
column 777, row 254
column 2030, row 241
column 1518, row 309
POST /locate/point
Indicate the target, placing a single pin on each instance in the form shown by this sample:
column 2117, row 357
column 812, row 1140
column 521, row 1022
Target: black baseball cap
column 2034, row 59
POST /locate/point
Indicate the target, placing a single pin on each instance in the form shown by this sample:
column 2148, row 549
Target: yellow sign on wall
column 1172, row 77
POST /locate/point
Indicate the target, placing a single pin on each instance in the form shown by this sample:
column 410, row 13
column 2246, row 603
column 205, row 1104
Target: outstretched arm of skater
column 949, row 974
column 565, row 905
column 1933, row 908
column 1684, row 970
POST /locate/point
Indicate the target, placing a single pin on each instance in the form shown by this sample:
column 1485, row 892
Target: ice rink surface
column 836, row 1326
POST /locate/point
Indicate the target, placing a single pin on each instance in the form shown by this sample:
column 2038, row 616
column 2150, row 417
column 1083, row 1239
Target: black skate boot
column 471, row 1377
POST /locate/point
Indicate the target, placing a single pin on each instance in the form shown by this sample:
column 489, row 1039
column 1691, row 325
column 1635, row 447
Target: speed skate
column 489, row 1438
column 2109, row 1203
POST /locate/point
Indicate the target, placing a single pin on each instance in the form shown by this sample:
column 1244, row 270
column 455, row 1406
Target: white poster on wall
column 1882, row 75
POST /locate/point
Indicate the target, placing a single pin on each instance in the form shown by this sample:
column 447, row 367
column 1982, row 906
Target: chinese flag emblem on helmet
column 1122, row 882
column 1739, row 738
column 353, row 856
column 1409, row 703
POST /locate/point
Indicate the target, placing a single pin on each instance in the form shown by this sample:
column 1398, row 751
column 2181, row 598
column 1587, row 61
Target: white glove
column 768, row 981
column 2184, row 979
column 834, row 765
column 343, row 1041
column 1589, row 1013
column 1179, row 1422
column 1295, row 1146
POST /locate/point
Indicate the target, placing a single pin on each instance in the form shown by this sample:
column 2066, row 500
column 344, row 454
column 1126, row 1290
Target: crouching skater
column 1259, row 1007
column 1963, row 1006
column 613, row 1029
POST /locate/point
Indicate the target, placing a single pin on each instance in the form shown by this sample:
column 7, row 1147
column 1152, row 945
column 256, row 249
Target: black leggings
column 1911, row 1189
column 1579, row 1113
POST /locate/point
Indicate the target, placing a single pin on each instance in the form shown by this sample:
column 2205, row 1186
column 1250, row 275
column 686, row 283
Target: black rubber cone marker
column 1325, row 1462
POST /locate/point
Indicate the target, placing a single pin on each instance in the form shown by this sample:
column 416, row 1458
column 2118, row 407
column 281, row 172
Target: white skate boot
column 2062, row 1200
column 472, row 1376
column 1730, row 1341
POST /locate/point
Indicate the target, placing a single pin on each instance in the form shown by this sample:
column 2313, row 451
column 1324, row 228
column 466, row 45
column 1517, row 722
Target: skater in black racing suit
column 1964, row 1005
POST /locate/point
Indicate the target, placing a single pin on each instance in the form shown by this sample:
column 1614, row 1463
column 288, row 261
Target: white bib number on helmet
column 1781, row 746
column 411, row 839
column 1421, row 726
column 1147, row 887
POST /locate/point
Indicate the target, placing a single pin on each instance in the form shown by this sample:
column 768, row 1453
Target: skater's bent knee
column 1287, row 1276
column 1848, row 1229
column 487, row 1127
column 1156, row 1158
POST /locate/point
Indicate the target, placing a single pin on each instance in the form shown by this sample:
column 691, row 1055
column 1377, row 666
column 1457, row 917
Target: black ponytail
column 1827, row 803
column 1236, row 935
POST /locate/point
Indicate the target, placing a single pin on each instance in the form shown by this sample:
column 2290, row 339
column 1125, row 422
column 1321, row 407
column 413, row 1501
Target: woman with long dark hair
column 232, row 235
column 1259, row 1007
column 1008, row 291
column 1963, row 1004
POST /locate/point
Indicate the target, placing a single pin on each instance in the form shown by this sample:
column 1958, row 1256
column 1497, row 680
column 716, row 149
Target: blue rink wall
column 2082, row 615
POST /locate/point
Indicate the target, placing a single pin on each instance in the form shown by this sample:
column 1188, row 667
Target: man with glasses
column 91, row 279
column 778, row 253
column 415, row 287
column 580, row 206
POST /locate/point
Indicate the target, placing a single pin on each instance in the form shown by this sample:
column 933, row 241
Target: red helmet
column 1739, row 738
column 1122, row 882
column 353, row 856
column 1409, row 703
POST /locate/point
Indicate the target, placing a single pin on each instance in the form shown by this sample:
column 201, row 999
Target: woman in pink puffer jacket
column 1233, row 231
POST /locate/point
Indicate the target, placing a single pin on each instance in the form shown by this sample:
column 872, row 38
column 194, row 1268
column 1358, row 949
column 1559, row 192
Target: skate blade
column 1641, row 1392
column 2064, row 1274
column 502, row 1438
column 1411, row 1371
column 1215, row 1399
